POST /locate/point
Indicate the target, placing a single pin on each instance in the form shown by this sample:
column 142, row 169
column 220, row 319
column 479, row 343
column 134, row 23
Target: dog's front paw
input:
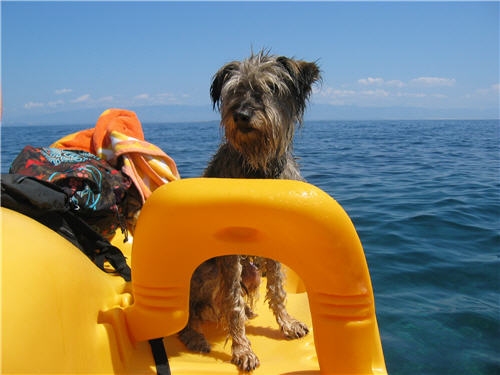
column 194, row 340
column 294, row 329
column 245, row 359
column 250, row 313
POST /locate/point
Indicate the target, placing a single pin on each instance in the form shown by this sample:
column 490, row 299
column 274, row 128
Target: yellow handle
column 188, row 221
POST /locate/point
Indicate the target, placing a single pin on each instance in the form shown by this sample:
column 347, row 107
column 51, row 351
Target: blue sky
column 428, row 58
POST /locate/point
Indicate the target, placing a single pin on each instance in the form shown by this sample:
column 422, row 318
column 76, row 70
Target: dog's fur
column 262, row 100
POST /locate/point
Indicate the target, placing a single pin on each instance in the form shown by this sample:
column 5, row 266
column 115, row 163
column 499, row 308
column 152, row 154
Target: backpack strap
column 160, row 356
column 32, row 197
column 50, row 205
column 96, row 247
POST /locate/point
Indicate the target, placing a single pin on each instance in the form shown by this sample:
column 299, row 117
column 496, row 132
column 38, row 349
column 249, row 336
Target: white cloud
column 31, row 105
column 142, row 97
column 62, row 91
column 433, row 81
column 160, row 98
column 329, row 92
column 343, row 93
column 106, row 99
column 379, row 93
column 376, row 91
column 166, row 95
column 411, row 95
column 333, row 96
column 422, row 81
column 395, row 83
column 493, row 89
column 55, row 103
column 484, row 96
column 439, row 96
column 371, row 81
column 82, row 99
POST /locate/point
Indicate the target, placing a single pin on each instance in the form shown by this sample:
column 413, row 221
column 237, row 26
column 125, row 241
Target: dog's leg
column 191, row 335
column 233, row 307
column 276, row 296
column 203, row 282
column 193, row 338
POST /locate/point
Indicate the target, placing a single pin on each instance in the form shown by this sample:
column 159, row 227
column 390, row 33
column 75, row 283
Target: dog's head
column 261, row 99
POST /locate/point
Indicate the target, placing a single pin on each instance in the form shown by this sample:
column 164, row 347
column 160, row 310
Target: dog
column 261, row 100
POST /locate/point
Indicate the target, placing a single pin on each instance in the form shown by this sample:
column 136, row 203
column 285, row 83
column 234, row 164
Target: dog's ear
column 303, row 74
column 309, row 74
column 218, row 81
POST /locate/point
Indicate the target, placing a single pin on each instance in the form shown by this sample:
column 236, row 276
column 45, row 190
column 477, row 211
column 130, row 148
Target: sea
column 424, row 197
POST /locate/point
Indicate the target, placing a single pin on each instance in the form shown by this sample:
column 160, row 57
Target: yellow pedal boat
column 63, row 315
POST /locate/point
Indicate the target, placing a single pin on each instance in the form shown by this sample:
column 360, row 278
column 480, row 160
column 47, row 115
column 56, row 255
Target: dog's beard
column 260, row 143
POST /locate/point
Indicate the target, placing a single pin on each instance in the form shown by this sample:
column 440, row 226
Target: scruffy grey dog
column 262, row 100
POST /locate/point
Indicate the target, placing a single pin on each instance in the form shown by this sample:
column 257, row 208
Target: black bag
column 50, row 205
column 97, row 191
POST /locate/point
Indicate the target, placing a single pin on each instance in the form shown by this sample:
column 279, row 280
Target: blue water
column 425, row 199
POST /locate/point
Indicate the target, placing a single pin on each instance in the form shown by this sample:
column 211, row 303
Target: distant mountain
column 331, row 112
column 187, row 113
column 88, row 117
column 176, row 113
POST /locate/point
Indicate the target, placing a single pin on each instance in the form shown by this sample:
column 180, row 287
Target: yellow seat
column 61, row 314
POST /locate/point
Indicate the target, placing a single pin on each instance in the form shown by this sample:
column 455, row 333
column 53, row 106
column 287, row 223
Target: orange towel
column 91, row 140
column 118, row 134
column 146, row 164
column 81, row 140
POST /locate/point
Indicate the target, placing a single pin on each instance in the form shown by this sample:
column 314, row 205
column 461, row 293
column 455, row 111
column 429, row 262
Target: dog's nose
column 242, row 117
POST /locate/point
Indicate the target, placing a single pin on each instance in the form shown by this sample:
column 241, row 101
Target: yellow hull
column 61, row 314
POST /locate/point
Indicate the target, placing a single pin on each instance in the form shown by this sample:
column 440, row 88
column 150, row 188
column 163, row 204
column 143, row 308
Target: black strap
column 32, row 197
column 114, row 256
column 97, row 247
column 160, row 356
column 48, row 204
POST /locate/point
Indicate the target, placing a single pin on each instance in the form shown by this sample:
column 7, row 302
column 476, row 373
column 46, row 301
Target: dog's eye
column 257, row 96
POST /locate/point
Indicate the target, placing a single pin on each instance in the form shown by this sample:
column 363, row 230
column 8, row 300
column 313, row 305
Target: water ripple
column 425, row 199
